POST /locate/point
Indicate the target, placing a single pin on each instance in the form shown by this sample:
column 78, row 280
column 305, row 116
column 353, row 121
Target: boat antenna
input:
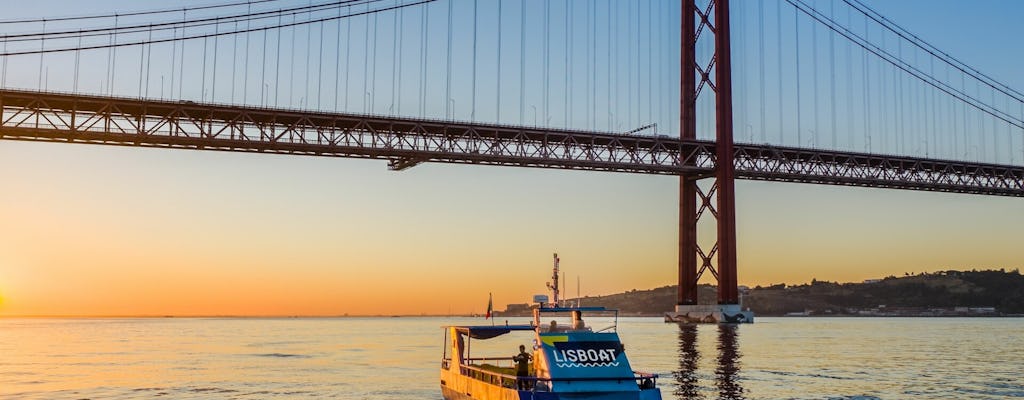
column 566, row 301
column 578, row 291
column 553, row 285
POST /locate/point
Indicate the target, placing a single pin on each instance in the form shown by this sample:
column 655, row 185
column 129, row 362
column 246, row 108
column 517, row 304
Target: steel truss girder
column 763, row 162
column 405, row 142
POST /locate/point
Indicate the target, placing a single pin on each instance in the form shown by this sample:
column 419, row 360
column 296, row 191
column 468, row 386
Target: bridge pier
column 723, row 208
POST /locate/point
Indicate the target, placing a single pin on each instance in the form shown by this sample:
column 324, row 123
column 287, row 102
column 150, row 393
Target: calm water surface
column 398, row 358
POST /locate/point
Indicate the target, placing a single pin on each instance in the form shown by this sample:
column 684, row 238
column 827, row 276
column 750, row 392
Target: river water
column 398, row 358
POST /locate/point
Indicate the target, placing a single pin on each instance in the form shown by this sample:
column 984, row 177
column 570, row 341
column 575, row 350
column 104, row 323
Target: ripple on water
column 397, row 359
column 281, row 355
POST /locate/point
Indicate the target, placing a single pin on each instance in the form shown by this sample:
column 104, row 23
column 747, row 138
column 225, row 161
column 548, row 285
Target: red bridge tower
column 719, row 201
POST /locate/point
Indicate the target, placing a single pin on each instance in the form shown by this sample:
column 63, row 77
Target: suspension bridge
column 819, row 92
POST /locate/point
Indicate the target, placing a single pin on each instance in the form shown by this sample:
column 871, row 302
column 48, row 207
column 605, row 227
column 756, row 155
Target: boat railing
column 499, row 360
column 643, row 380
column 494, row 378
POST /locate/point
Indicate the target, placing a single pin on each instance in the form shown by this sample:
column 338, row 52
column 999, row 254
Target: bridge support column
column 720, row 199
column 688, row 185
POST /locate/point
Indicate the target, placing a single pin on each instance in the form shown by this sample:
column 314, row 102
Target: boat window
column 574, row 321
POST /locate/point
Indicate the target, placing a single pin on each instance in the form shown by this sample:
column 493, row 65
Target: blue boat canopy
column 490, row 331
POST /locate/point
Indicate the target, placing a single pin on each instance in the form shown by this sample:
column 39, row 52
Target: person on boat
column 577, row 321
column 553, row 327
column 522, row 361
column 579, row 325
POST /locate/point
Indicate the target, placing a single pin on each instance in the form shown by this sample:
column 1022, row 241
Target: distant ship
column 569, row 360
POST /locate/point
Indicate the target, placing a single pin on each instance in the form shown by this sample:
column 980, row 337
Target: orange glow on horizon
column 118, row 231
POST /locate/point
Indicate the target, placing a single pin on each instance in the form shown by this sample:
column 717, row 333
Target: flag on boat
column 490, row 306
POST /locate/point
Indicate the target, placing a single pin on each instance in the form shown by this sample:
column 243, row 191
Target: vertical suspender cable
column 613, row 65
column 263, row 72
column 796, row 35
column 110, row 50
column 962, row 133
column 995, row 135
column 497, row 107
column 814, row 76
column 979, row 140
column 394, row 60
column 202, row 90
column 423, row 59
column 933, row 133
column 309, row 56
column 401, row 36
column 149, row 59
column 373, row 80
column 658, row 99
column 348, row 53
column 245, row 74
column 922, row 106
column 637, row 59
column 901, row 138
column 174, row 59
column 448, row 112
column 277, row 57
column 629, row 65
column 851, row 144
column 3, row 75
column 234, row 63
column 113, row 59
column 320, row 69
column 867, row 91
column 608, row 65
column 291, row 61
column 141, row 60
column 216, row 52
column 472, row 112
column 522, row 63
column 832, row 76
column 761, row 64
column 42, row 44
column 590, row 65
column 547, row 63
column 950, row 113
column 568, row 50
column 650, row 66
column 337, row 60
column 778, row 48
column 633, row 43
column 181, row 61
column 365, row 94
column 78, row 55
column 884, row 107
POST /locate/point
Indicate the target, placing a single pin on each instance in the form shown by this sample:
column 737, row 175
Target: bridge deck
column 405, row 142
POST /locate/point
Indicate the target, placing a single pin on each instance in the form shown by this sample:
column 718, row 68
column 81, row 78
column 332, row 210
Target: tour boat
column 571, row 360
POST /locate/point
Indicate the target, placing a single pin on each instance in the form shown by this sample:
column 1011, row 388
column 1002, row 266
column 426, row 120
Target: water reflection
column 688, row 360
column 727, row 367
column 728, row 363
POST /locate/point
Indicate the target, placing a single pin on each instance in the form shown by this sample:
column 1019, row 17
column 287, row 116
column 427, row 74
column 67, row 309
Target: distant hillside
column 941, row 293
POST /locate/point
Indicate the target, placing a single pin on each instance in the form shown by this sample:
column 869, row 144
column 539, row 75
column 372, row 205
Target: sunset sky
column 94, row 230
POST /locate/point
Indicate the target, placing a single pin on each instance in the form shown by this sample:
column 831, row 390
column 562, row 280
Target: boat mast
column 553, row 285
